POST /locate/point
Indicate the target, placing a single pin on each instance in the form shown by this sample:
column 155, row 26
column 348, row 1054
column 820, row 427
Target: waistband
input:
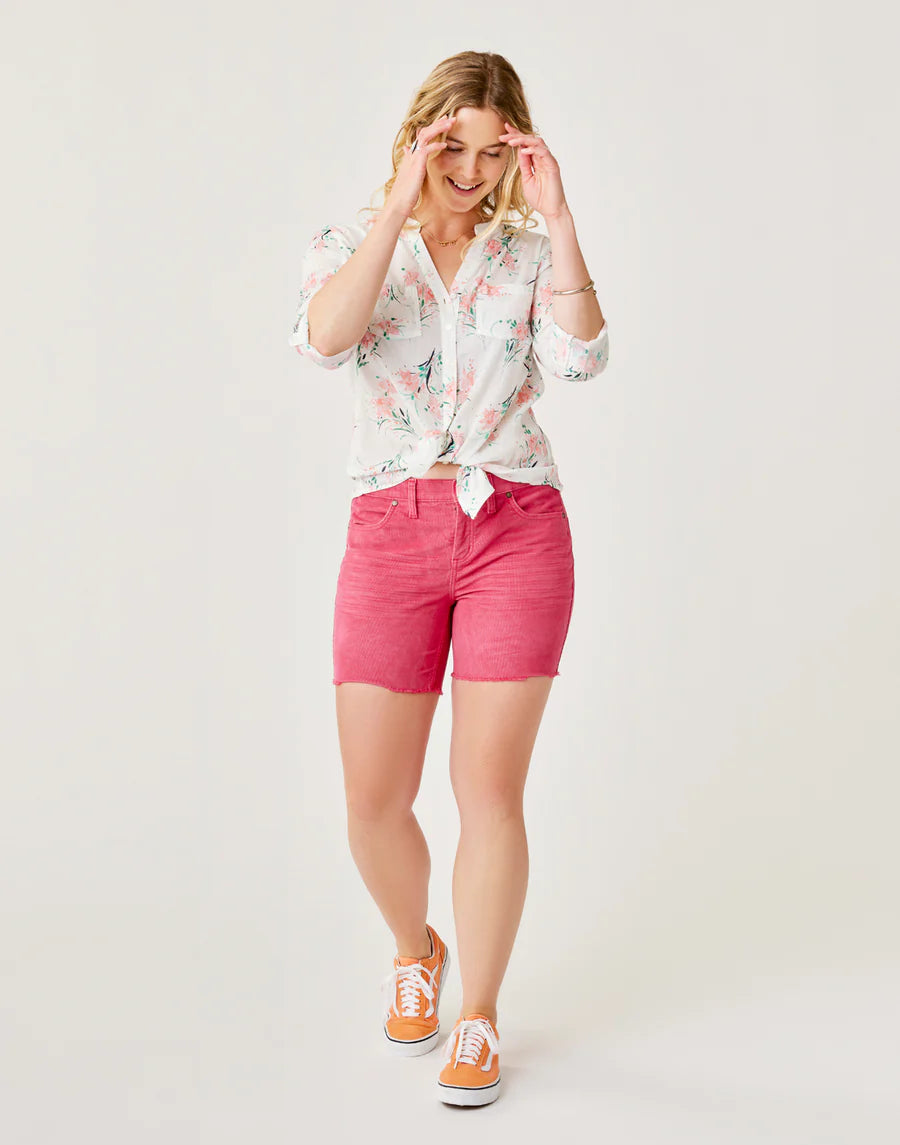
column 444, row 488
column 414, row 490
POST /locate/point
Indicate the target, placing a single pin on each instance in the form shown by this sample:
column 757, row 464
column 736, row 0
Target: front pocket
column 397, row 315
column 537, row 501
column 505, row 314
column 370, row 514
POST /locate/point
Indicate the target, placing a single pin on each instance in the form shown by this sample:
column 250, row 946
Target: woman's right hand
column 411, row 172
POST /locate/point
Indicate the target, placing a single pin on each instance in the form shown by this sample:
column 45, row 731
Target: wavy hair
column 482, row 80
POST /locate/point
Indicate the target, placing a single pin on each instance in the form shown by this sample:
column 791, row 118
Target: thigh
column 515, row 598
column 383, row 736
column 495, row 725
column 392, row 605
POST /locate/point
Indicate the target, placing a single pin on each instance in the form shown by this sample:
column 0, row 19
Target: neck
column 446, row 228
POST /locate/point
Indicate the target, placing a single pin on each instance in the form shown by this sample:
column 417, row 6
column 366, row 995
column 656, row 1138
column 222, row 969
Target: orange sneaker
column 471, row 1073
column 414, row 987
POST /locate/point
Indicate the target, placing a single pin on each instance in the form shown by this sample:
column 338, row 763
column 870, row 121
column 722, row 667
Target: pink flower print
column 520, row 330
column 488, row 419
column 465, row 382
column 509, row 260
column 433, row 406
column 492, row 247
column 382, row 406
column 367, row 341
column 387, row 325
column 406, row 381
column 428, row 295
column 525, row 394
column 467, row 299
column 384, row 293
column 410, row 278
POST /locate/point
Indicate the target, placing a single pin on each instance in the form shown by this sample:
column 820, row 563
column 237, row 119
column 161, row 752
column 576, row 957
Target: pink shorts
column 418, row 576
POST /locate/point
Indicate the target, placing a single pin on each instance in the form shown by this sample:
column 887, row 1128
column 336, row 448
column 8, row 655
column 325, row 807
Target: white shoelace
column 470, row 1035
column 411, row 982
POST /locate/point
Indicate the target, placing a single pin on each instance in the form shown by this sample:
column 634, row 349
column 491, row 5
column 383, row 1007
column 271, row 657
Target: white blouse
column 449, row 376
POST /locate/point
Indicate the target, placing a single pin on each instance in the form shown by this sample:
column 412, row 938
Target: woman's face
column 473, row 157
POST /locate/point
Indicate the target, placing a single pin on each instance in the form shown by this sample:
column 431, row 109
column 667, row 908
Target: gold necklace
column 450, row 242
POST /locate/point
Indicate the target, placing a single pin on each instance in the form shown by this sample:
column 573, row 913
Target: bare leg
column 495, row 726
column 383, row 736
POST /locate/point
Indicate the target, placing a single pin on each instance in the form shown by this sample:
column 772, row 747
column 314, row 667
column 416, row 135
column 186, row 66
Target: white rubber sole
column 464, row 1095
column 425, row 1045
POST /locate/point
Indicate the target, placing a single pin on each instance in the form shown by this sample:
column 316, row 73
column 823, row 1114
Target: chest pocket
column 500, row 315
column 397, row 316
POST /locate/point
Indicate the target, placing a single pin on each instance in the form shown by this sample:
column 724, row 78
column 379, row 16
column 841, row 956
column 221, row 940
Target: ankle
column 420, row 949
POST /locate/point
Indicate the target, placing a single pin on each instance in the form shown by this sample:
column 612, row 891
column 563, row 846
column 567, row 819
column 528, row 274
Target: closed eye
column 492, row 154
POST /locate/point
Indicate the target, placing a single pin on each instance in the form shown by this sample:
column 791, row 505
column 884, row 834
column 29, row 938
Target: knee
column 373, row 803
column 491, row 802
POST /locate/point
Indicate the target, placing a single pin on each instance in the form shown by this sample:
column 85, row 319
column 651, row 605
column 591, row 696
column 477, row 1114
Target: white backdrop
column 709, row 949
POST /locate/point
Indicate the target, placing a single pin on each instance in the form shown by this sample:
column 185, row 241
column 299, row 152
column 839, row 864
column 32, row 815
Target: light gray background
column 709, row 950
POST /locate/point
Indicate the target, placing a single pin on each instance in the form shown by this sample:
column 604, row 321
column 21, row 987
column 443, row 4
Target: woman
column 457, row 531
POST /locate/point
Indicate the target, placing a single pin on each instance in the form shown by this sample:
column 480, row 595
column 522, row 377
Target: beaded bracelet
column 580, row 289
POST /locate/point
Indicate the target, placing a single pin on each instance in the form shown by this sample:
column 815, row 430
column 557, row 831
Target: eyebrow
column 453, row 139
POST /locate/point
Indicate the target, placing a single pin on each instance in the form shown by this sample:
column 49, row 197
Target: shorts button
column 394, row 502
column 509, row 492
column 564, row 514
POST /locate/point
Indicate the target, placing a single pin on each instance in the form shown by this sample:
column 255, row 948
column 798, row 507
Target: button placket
column 450, row 374
column 448, row 305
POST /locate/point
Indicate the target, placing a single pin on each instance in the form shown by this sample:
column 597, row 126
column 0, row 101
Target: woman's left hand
column 541, row 180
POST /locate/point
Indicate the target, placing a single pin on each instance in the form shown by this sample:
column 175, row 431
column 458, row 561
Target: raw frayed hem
column 500, row 679
column 379, row 684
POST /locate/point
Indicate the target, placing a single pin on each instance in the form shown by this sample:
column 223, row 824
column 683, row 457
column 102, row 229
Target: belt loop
column 411, row 500
column 491, row 503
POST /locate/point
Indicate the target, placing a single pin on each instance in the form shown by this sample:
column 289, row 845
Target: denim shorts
column 419, row 576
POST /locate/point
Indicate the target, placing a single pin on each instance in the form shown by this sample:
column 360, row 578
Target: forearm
column 340, row 311
column 577, row 314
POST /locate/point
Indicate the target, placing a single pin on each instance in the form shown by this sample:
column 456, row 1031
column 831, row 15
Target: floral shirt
column 450, row 375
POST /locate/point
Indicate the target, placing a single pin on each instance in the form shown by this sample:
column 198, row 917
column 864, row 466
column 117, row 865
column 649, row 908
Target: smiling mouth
column 463, row 190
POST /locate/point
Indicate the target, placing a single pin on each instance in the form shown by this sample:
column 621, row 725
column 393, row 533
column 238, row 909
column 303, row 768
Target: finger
column 426, row 134
column 513, row 136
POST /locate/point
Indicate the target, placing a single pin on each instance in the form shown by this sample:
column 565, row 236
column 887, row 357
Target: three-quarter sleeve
column 326, row 253
column 559, row 353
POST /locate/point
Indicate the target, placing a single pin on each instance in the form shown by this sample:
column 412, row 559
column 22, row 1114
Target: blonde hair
column 482, row 80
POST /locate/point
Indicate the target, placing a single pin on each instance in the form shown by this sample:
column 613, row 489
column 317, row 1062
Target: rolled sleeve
column 326, row 253
column 559, row 353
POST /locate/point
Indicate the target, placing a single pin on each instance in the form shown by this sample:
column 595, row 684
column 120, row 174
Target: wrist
column 560, row 218
column 392, row 217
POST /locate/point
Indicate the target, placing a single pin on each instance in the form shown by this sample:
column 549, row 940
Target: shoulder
column 531, row 240
column 339, row 236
